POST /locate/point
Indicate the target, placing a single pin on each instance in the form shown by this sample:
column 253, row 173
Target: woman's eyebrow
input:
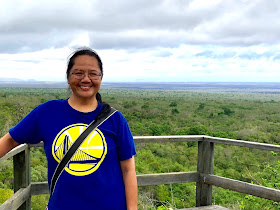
column 94, row 70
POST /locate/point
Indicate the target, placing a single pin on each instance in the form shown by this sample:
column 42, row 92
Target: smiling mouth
column 85, row 87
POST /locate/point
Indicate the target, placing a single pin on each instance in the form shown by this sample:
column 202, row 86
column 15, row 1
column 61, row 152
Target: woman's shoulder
column 118, row 116
column 55, row 103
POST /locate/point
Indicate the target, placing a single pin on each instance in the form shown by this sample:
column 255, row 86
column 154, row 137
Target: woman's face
column 84, row 88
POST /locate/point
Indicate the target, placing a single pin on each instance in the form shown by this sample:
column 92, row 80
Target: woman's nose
column 86, row 78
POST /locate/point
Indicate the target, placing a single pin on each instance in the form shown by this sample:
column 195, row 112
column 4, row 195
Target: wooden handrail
column 241, row 143
column 243, row 187
column 203, row 176
column 191, row 138
column 14, row 151
column 38, row 188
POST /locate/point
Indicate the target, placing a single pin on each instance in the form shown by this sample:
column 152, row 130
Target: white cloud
column 143, row 40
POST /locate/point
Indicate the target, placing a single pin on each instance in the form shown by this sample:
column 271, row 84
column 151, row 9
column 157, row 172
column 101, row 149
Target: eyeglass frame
column 83, row 74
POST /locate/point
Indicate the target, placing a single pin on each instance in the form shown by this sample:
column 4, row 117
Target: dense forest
column 247, row 115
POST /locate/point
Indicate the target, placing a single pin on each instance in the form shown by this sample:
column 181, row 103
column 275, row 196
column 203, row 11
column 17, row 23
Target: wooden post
column 205, row 161
column 22, row 175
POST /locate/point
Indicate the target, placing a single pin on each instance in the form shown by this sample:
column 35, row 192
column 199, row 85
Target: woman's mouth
column 85, row 87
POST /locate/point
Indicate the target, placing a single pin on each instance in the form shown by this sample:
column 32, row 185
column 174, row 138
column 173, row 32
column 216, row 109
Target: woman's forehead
column 85, row 61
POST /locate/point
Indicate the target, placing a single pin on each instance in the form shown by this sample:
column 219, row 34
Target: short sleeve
column 125, row 143
column 26, row 131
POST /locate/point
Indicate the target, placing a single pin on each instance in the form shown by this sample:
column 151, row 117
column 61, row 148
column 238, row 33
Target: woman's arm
column 130, row 182
column 7, row 143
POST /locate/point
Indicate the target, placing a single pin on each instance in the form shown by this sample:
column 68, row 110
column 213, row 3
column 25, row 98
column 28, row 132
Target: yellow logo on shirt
column 89, row 155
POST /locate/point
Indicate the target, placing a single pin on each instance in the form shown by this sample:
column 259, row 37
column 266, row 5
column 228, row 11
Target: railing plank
column 243, row 187
column 215, row 207
column 159, row 139
column 153, row 139
column 38, row 188
column 17, row 199
column 41, row 144
column 167, row 178
column 241, row 143
column 14, row 151
column 186, row 138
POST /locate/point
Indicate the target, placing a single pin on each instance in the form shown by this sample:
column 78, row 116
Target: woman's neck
column 85, row 105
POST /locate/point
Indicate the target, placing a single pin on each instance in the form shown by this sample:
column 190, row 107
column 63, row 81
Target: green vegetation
column 247, row 116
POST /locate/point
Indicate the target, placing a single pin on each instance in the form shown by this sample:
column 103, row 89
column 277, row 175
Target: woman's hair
column 84, row 51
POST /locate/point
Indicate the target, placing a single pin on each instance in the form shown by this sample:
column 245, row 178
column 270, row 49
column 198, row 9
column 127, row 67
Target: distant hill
column 31, row 84
column 252, row 87
column 10, row 80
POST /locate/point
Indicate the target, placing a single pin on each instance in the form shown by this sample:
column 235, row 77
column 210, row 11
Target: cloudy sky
column 143, row 40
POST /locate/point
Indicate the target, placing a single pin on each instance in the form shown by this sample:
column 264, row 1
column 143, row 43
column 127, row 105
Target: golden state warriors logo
column 90, row 154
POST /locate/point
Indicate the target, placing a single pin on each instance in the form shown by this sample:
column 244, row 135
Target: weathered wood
column 14, row 151
column 38, row 188
column 186, row 138
column 41, row 144
column 205, row 164
column 199, row 170
column 17, row 199
column 207, row 208
column 182, row 138
column 21, row 163
column 153, row 139
column 241, row 143
column 243, row 187
column 167, row 178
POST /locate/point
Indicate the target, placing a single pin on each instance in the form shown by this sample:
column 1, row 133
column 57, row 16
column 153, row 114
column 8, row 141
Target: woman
column 101, row 174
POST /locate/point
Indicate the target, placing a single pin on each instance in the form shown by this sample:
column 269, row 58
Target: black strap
column 103, row 115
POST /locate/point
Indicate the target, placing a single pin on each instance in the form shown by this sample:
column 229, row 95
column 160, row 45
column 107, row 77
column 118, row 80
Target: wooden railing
column 203, row 177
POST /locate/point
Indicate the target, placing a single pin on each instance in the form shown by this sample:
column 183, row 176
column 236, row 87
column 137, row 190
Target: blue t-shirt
column 92, row 179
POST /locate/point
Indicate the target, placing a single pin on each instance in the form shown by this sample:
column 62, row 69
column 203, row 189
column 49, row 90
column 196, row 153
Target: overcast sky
column 143, row 40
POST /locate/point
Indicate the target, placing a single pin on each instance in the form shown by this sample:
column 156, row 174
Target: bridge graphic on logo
column 80, row 157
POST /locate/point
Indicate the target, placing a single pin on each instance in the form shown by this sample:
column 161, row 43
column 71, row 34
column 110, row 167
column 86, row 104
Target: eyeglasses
column 91, row 75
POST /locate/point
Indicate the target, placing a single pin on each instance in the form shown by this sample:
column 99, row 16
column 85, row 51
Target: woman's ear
column 67, row 77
